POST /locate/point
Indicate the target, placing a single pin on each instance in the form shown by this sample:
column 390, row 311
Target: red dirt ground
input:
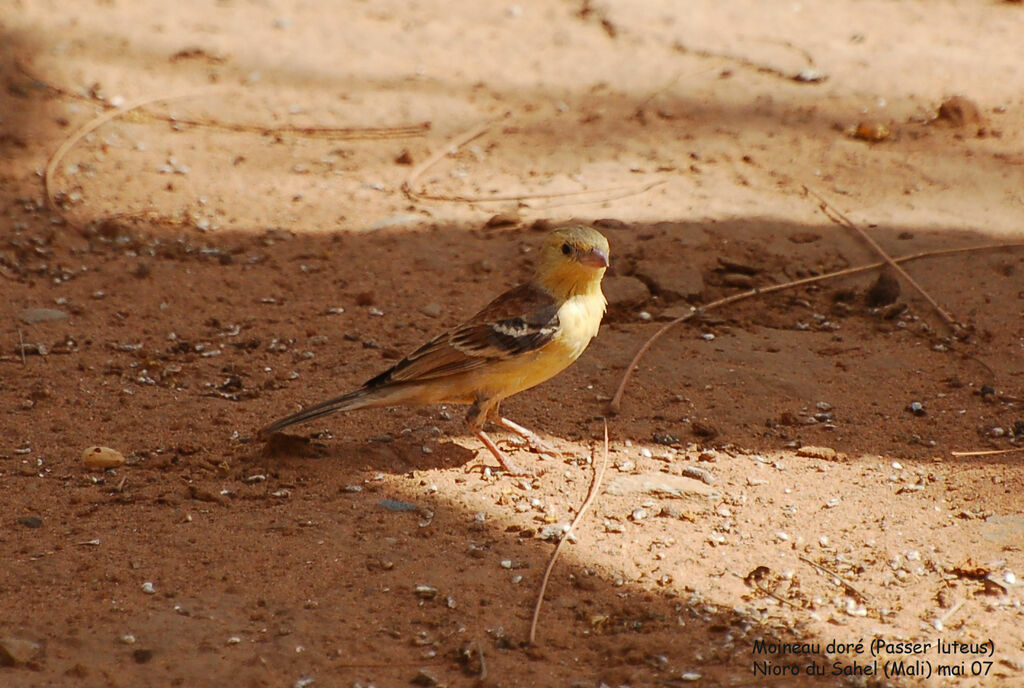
column 213, row 272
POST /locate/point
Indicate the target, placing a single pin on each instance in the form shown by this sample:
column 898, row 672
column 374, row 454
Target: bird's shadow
column 391, row 455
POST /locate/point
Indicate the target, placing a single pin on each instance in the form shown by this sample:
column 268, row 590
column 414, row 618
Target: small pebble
column 101, row 458
column 17, row 651
column 148, row 588
column 31, row 521
column 426, row 592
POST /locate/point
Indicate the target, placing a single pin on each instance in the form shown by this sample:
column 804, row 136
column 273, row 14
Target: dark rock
column 31, row 521
column 671, row 280
column 625, row 292
column 884, row 291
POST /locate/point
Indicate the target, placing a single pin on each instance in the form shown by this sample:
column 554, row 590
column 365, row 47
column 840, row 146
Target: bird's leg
column 534, row 440
column 476, row 416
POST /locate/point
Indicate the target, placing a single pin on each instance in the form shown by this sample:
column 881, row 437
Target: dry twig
column 90, row 126
column 482, row 676
column 615, row 405
column 345, row 133
column 846, row 584
column 595, row 488
column 452, row 146
column 988, row 452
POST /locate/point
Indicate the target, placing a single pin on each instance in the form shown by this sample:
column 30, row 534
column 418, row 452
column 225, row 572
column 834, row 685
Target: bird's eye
column 566, row 250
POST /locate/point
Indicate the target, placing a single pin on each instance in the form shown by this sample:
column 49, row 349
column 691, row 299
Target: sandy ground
column 285, row 214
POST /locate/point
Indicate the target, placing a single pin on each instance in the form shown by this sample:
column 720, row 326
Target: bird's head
column 573, row 260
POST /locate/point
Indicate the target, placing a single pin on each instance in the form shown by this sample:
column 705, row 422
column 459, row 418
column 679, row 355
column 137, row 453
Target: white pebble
column 148, row 588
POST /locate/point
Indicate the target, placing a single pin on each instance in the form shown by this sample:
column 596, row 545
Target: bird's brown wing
column 521, row 320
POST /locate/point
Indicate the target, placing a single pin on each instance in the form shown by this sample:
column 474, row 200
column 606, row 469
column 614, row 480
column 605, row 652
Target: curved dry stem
column 94, row 124
column 595, row 488
column 345, row 133
column 453, row 145
column 615, row 405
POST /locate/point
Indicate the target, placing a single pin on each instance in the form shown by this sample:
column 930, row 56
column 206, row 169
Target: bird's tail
column 360, row 398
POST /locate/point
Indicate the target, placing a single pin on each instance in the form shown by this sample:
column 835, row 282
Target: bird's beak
column 594, row 258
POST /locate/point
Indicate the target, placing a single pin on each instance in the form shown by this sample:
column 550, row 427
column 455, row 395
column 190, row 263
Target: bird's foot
column 507, row 464
column 532, row 439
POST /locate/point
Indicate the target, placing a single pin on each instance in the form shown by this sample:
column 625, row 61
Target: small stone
column 432, row 310
column 502, row 220
column 738, row 280
column 698, row 473
column 17, row 651
column 671, row 280
column 658, row 484
column 873, row 132
column 553, row 532
column 917, row 408
column 31, row 521
column 884, row 291
column 426, row 592
column 625, row 292
column 397, row 505
column 404, row 158
column 809, row 75
column 424, row 678
column 959, row 112
column 142, row 656
column 823, row 453
column 101, row 458
column 38, row 315
column 148, row 588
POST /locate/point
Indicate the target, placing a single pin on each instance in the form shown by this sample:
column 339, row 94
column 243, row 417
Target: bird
column 522, row 338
